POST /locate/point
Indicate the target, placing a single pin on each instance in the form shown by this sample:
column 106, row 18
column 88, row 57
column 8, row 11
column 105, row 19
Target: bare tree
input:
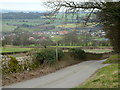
column 73, row 6
column 101, row 6
column 70, row 39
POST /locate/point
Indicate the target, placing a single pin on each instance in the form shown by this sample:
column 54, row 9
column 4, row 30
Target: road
column 66, row 78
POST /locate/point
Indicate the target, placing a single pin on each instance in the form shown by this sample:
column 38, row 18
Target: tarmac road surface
column 68, row 77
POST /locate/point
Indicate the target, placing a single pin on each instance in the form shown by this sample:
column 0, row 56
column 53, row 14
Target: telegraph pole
column 57, row 50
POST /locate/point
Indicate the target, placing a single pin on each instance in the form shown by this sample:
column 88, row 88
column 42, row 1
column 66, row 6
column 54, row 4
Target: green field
column 98, row 50
column 56, row 38
column 67, row 46
column 5, row 50
column 8, row 28
column 18, row 49
column 23, row 21
column 88, row 50
column 76, row 25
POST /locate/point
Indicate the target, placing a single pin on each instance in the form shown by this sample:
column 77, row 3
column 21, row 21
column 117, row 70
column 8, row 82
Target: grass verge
column 106, row 77
column 112, row 59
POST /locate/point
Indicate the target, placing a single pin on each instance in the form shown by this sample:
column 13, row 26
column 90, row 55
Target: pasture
column 73, row 25
column 98, row 50
column 12, row 49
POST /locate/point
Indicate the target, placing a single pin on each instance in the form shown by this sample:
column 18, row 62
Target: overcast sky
column 35, row 5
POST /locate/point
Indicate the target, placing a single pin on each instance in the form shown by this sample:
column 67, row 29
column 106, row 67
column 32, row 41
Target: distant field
column 88, row 50
column 56, row 38
column 5, row 50
column 98, row 50
column 10, row 24
column 75, row 25
column 23, row 21
column 18, row 49
column 105, row 47
column 66, row 46
column 7, row 28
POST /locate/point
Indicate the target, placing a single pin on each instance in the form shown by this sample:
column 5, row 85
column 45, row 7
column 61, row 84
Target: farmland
column 41, row 20
column 35, row 29
column 76, row 25
column 21, row 49
column 98, row 50
column 15, row 49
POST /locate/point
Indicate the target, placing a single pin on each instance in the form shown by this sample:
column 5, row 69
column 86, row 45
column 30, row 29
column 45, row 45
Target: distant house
column 39, row 33
column 63, row 32
column 43, row 38
column 34, row 33
column 31, row 38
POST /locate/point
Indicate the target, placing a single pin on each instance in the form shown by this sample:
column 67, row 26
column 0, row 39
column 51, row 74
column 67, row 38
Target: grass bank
column 106, row 77
column 112, row 59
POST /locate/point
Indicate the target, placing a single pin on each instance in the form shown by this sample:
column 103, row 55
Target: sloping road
column 66, row 78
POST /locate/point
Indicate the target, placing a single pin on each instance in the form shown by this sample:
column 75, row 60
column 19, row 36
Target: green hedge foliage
column 48, row 55
column 77, row 53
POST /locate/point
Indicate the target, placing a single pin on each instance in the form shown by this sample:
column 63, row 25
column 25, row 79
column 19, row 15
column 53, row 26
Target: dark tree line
column 21, row 15
column 17, row 39
column 72, row 39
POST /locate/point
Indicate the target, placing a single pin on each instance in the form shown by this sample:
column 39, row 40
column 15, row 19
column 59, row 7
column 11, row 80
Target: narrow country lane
column 66, row 78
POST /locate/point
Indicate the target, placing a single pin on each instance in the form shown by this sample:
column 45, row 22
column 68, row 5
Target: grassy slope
column 112, row 59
